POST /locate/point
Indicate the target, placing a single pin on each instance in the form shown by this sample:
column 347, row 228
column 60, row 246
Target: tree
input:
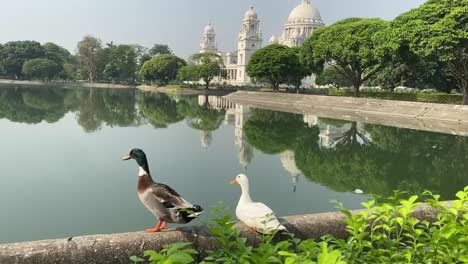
column 159, row 49
column 56, row 53
column 349, row 44
column 87, row 55
column 413, row 71
column 15, row 53
column 209, row 66
column 332, row 75
column 437, row 30
column 2, row 69
column 274, row 64
column 297, row 75
column 189, row 73
column 41, row 68
column 121, row 63
column 162, row 68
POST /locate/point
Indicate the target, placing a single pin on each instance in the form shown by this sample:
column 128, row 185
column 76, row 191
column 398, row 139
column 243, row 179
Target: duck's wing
column 261, row 216
column 169, row 197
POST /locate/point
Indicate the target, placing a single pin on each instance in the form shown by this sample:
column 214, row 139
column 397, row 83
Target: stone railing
column 117, row 248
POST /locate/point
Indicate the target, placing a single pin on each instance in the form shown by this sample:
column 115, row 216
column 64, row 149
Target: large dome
column 304, row 11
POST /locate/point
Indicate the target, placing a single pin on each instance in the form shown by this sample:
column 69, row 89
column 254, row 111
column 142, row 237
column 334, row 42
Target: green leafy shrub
column 441, row 98
column 386, row 231
column 177, row 253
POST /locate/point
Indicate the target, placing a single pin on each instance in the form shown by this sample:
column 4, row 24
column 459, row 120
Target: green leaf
column 176, row 246
column 368, row 204
column 285, row 253
column 181, row 257
column 136, row 259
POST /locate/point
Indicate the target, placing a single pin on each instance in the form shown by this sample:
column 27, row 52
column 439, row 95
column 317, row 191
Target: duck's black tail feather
column 189, row 214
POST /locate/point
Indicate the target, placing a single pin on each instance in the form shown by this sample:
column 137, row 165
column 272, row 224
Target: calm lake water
column 61, row 172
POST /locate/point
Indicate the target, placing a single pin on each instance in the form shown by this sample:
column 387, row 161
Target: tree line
column 93, row 61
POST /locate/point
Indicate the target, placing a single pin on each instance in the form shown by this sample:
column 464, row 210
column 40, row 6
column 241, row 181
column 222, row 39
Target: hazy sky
column 178, row 23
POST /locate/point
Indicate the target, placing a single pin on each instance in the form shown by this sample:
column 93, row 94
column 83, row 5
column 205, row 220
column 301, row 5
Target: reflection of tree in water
column 272, row 132
column 32, row 105
column 202, row 117
column 88, row 115
column 351, row 139
column 394, row 159
column 96, row 107
column 93, row 107
column 159, row 110
column 275, row 132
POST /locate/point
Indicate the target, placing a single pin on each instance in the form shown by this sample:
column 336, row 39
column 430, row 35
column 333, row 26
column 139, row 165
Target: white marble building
column 301, row 23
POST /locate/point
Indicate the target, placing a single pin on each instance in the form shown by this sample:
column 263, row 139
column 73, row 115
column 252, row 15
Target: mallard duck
column 160, row 199
column 258, row 216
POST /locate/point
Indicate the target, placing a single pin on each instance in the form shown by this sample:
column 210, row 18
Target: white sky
column 178, row 23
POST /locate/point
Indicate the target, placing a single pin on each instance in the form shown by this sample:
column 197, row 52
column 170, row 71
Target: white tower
column 208, row 41
column 250, row 39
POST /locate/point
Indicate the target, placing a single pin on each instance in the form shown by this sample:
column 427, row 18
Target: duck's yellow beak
column 233, row 181
column 126, row 157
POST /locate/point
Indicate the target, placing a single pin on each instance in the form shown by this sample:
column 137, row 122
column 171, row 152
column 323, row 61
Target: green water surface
column 61, row 173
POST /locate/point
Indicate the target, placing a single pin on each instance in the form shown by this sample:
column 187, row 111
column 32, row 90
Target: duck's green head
column 139, row 156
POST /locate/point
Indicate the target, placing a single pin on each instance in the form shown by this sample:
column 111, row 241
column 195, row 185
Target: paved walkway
column 443, row 118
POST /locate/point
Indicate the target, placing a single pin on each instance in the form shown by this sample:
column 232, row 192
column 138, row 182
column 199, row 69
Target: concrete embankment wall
column 117, row 248
column 443, row 118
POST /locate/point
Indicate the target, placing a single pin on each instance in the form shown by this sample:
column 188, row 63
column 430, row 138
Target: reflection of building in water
column 206, row 137
column 330, row 134
column 311, row 120
column 244, row 149
column 288, row 161
column 236, row 115
column 216, row 102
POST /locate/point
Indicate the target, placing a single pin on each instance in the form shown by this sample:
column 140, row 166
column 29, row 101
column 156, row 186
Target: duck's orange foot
column 160, row 226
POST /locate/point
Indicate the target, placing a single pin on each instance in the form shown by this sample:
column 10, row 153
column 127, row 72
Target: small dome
column 273, row 40
column 250, row 14
column 304, row 11
column 209, row 28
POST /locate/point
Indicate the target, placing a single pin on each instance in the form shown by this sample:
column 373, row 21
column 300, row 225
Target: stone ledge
column 117, row 248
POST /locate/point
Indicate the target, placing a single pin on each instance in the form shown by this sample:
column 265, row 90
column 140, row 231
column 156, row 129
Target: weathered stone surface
column 442, row 118
column 117, row 248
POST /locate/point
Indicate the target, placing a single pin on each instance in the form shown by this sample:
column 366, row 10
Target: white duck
column 258, row 216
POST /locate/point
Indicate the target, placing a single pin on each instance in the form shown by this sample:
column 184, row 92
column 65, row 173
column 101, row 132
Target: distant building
column 301, row 23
